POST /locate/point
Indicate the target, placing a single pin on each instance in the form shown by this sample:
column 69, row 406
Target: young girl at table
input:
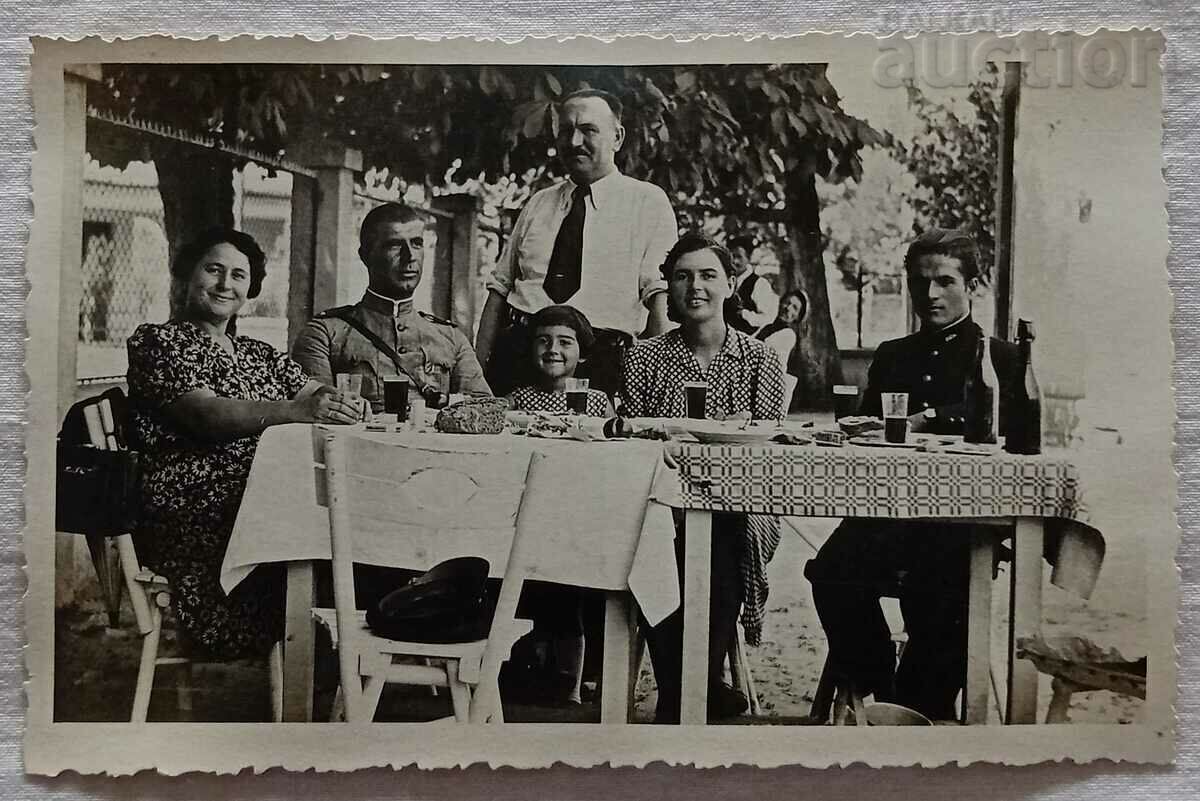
column 561, row 337
column 744, row 377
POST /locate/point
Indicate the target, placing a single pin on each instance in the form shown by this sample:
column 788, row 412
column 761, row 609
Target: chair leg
column 337, row 712
column 743, row 677
column 1060, row 701
column 841, row 704
column 433, row 690
column 635, row 668
column 145, row 676
column 275, row 676
column 372, row 691
column 183, row 690
column 460, row 693
column 824, row 696
column 860, row 709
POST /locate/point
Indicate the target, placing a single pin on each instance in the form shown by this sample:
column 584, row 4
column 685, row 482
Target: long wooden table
column 1020, row 495
column 1024, row 495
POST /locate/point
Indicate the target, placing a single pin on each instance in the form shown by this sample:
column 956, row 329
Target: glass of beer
column 845, row 400
column 395, row 397
column 895, row 416
column 577, row 395
column 695, row 395
column 350, row 387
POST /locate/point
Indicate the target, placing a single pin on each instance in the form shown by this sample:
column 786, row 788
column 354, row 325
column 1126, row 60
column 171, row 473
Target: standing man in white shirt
column 758, row 300
column 595, row 242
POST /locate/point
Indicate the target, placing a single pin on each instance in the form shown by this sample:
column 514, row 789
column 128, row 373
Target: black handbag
column 96, row 490
column 447, row 604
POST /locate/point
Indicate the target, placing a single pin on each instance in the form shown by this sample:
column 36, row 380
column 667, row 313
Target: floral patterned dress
column 192, row 488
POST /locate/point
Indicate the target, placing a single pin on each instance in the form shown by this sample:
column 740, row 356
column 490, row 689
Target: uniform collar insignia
column 385, row 305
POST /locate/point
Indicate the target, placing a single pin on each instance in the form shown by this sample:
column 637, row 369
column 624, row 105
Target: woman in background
column 200, row 397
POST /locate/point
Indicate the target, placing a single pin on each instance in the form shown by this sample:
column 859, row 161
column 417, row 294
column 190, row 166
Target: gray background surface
column 512, row 18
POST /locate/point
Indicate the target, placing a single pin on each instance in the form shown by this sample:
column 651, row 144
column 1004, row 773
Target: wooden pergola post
column 455, row 282
column 324, row 233
column 1005, row 194
column 69, row 553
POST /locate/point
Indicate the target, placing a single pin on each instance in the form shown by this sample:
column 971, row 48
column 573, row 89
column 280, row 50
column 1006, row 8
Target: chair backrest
column 425, row 506
column 103, row 422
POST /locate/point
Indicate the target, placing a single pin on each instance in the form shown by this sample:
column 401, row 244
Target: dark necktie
column 566, row 260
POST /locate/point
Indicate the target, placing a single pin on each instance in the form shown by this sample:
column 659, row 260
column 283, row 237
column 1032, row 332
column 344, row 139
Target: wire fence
column 125, row 272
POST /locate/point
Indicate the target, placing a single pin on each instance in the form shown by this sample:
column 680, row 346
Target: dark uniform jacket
column 932, row 366
column 426, row 345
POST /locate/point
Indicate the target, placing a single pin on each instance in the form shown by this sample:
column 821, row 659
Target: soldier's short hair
column 382, row 215
column 955, row 243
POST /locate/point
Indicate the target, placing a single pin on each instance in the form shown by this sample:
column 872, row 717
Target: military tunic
column 426, row 345
column 932, row 366
column 926, row 562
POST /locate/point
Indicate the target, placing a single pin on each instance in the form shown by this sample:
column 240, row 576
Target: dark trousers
column 665, row 641
column 510, row 364
column 926, row 567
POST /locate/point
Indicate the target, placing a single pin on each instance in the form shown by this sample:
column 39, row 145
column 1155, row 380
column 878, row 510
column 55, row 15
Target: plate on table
column 880, row 442
column 729, row 432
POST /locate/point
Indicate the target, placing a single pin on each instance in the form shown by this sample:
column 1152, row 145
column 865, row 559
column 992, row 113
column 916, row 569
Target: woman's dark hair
column 796, row 293
column 569, row 317
column 190, row 254
column 955, row 243
column 693, row 243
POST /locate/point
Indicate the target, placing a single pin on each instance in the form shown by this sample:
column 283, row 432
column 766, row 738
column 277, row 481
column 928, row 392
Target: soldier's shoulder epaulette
column 431, row 318
column 336, row 313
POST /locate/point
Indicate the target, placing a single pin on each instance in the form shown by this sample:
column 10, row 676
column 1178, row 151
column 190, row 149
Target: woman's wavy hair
column 692, row 243
column 190, row 254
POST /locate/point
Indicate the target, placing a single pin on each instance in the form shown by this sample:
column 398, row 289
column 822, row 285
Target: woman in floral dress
column 200, row 397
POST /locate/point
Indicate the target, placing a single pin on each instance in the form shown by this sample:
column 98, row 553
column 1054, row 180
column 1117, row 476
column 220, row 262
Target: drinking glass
column 577, row 395
column 695, row 394
column 895, row 416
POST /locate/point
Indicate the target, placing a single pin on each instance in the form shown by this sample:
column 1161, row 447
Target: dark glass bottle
column 1025, row 414
column 981, row 396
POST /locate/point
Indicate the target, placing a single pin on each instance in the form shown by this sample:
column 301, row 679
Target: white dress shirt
column 627, row 232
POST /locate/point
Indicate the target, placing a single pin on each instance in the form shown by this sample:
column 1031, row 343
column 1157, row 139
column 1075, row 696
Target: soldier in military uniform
column 925, row 564
column 382, row 335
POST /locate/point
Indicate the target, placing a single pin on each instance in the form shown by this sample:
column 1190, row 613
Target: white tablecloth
column 591, row 501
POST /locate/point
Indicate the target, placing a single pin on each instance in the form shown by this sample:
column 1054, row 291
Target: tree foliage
column 954, row 157
column 746, row 142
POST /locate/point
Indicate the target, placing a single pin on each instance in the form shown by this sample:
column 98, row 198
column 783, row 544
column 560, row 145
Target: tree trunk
column 815, row 360
column 197, row 192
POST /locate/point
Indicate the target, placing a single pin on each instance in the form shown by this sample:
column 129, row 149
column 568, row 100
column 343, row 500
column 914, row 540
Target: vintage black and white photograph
column 711, row 401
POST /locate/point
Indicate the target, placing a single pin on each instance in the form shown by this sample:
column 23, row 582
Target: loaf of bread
column 473, row 416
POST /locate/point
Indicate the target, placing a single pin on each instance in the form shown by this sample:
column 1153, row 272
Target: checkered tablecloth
column 873, row 482
column 812, row 481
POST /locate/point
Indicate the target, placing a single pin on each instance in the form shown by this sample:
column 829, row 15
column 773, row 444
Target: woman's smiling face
column 218, row 285
column 699, row 286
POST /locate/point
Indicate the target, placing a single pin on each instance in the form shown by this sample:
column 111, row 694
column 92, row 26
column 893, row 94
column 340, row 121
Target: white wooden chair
column 436, row 505
column 150, row 594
